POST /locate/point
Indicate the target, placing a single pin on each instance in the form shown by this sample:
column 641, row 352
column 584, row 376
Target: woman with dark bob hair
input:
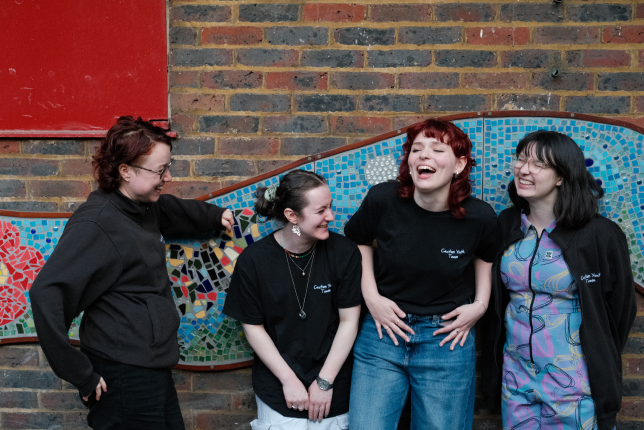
column 564, row 288
column 427, row 287
column 110, row 264
column 297, row 295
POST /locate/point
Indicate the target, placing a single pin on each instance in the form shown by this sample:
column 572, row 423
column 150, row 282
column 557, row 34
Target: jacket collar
column 561, row 235
column 126, row 205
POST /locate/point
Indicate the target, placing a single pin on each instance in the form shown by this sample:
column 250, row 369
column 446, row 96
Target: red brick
column 61, row 401
column 340, row 12
column 639, row 107
column 360, row 124
column 566, row 35
column 635, row 366
column 9, row 146
column 192, row 102
column 400, row 12
column 184, row 79
column 77, row 167
column 182, row 123
column 244, row 402
column 640, row 58
column 232, row 79
column 465, row 12
column 16, row 356
column 404, row 121
column 229, row 380
column 39, row 420
column 498, row 36
column 297, row 80
column 232, row 35
column 249, row 146
column 639, row 297
column 58, row 189
column 190, row 189
column 598, row 58
column 624, row 34
column 488, row 81
column 634, row 409
column 639, row 11
column 268, row 166
column 205, row 401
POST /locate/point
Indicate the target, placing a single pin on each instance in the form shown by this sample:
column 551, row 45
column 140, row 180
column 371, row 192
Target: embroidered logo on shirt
column 161, row 238
column 590, row 277
column 549, row 255
column 454, row 254
column 323, row 288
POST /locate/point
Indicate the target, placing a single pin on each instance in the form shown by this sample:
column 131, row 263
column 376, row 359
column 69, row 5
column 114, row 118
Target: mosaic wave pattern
column 200, row 268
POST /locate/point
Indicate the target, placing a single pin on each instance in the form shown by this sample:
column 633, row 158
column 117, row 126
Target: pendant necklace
column 306, row 265
column 302, row 314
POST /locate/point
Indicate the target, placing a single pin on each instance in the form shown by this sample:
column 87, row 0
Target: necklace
column 302, row 314
column 291, row 256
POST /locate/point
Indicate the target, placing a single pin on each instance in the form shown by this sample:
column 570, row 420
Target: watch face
column 323, row 384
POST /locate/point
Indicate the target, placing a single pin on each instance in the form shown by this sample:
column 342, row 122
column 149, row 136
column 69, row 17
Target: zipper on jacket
column 534, row 253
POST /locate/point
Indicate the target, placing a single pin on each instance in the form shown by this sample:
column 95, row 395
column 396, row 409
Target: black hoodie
column 598, row 258
column 110, row 263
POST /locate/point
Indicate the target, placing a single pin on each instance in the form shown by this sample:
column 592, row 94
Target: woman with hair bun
column 297, row 295
column 563, row 297
column 428, row 286
column 110, row 263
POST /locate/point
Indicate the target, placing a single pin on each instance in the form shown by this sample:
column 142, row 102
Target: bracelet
column 482, row 304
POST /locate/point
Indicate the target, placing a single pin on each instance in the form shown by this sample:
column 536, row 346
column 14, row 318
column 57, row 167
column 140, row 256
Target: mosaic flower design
column 19, row 266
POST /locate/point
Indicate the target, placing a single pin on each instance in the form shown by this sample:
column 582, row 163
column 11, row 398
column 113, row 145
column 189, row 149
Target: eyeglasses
column 534, row 166
column 158, row 172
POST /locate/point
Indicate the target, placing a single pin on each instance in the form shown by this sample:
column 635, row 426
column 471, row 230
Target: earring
column 296, row 230
column 456, row 175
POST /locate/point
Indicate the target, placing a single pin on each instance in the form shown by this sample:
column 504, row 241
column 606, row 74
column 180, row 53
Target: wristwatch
column 323, row 384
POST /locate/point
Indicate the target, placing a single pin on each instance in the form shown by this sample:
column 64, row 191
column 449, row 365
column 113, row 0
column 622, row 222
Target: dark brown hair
column 127, row 141
column 291, row 193
column 461, row 145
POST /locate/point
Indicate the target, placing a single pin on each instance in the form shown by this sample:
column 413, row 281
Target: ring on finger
column 385, row 327
column 456, row 330
column 293, row 407
column 300, row 409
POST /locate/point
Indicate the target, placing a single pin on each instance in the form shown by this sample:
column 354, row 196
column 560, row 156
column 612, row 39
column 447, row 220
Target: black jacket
column 598, row 258
column 110, row 262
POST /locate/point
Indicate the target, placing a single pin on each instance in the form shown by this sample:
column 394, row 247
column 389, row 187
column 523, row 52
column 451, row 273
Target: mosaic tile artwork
column 200, row 268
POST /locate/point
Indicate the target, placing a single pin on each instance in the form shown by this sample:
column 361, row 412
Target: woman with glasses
column 110, row 264
column 565, row 289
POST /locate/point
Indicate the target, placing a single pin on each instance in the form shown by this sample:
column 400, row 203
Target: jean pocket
column 260, row 425
column 342, row 422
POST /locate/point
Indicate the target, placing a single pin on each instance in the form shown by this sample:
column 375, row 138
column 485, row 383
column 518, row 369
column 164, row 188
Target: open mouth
column 159, row 187
column 425, row 172
column 525, row 182
column 323, row 226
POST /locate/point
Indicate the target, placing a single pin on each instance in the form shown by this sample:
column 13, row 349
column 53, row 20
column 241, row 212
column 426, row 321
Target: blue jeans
column 442, row 382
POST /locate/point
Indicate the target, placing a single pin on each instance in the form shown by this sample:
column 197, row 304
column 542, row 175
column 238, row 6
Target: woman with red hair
column 427, row 287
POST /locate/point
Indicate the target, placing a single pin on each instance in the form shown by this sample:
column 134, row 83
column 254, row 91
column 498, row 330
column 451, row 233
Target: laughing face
column 315, row 217
column 432, row 165
column 535, row 180
column 144, row 185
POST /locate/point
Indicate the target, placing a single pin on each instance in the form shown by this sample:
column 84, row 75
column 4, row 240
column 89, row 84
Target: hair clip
column 269, row 194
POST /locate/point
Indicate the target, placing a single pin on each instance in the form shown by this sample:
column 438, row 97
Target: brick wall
column 257, row 85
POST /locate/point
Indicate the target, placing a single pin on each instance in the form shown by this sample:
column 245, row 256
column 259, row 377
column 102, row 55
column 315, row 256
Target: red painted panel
column 71, row 68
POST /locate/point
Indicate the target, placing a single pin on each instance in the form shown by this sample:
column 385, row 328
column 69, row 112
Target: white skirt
column 268, row 418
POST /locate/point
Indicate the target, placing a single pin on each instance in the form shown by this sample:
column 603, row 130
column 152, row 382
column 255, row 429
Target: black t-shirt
column 425, row 260
column 261, row 293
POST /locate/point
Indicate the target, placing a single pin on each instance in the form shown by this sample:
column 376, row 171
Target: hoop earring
column 296, row 230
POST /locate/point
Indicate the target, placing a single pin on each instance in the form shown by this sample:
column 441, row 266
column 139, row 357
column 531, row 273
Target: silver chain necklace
column 303, row 269
column 302, row 313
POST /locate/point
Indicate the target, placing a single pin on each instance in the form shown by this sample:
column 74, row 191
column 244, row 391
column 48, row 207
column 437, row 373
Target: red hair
column 461, row 145
column 127, row 141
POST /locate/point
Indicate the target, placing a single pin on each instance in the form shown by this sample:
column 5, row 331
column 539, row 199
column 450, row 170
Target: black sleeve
column 349, row 292
column 178, row 216
column 361, row 228
column 84, row 265
column 244, row 300
column 621, row 298
column 490, row 238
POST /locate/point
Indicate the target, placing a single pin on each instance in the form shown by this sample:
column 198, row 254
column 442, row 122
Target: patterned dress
column 545, row 378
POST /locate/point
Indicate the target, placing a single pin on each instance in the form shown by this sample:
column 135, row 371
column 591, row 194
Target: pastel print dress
column 545, row 379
